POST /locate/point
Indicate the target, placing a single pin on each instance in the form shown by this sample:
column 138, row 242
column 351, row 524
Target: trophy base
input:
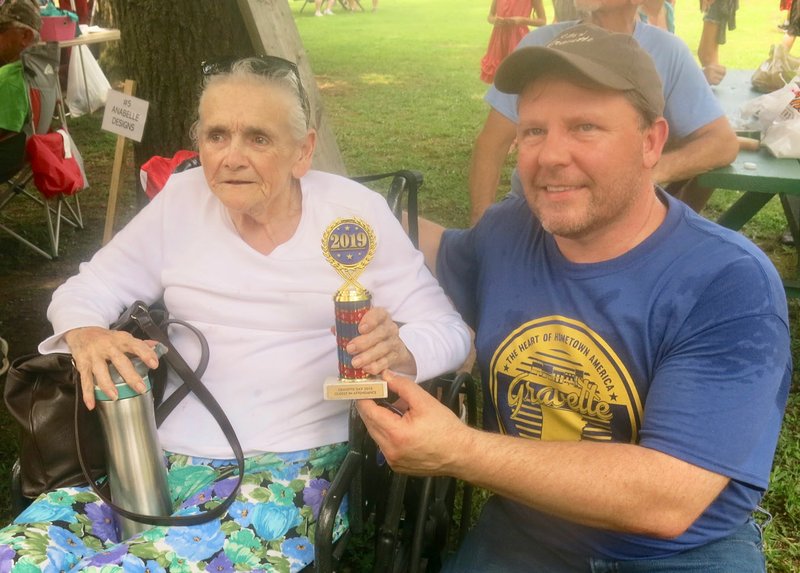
column 370, row 388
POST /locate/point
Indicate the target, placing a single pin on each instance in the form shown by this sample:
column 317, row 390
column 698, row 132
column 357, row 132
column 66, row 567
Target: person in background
column 83, row 8
column 658, row 13
column 719, row 16
column 785, row 7
column 354, row 6
column 510, row 20
column 234, row 248
column 792, row 26
column 635, row 357
column 700, row 136
column 19, row 28
column 565, row 11
column 328, row 11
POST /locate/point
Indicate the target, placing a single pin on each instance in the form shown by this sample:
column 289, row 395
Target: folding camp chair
column 40, row 64
column 344, row 4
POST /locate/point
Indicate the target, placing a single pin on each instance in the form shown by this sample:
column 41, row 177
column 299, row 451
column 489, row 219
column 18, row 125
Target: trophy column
column 348, row 245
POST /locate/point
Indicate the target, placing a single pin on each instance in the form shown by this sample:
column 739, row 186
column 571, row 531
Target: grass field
column 401, row 87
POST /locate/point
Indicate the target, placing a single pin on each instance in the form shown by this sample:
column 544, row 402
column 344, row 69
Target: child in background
column 510, row 19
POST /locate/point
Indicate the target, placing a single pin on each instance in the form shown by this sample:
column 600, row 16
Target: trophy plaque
column 348, row 245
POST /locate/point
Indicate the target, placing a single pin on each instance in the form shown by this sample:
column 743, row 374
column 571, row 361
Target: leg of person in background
column 785, row 7
column 374, row 5
column 708, row 52
column 718, row 16
column 328, row 10
column 794, row 210
column 691, row 193
column 3, row 356
column 792, row 26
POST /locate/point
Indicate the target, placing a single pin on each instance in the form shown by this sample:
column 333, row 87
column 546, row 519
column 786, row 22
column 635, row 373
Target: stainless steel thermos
column 136, row 472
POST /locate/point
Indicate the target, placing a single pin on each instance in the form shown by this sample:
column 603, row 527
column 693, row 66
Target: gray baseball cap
column 609, row 59
column 25, row 12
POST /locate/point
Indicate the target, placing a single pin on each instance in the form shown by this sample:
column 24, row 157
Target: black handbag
column 62, row 442
column 40, row 394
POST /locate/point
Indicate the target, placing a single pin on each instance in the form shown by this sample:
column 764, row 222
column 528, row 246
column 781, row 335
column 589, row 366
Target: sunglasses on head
column 262, row 65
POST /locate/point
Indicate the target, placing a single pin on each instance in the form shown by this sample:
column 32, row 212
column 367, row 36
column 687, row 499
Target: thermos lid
column 123, row 390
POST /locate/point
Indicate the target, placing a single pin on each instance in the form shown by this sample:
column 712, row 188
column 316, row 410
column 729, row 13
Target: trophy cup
column 348, row 245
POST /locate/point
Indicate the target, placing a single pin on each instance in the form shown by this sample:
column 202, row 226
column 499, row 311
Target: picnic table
column 758, row 174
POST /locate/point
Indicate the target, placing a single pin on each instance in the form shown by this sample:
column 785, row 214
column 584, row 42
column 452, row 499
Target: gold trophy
column 348, row 245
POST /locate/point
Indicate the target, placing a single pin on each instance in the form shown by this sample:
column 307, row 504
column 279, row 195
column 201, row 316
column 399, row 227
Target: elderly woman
column 234, row 248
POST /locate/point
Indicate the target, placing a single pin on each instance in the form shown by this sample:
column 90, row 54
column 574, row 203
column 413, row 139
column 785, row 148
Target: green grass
column 401, row 86
column 401, row 89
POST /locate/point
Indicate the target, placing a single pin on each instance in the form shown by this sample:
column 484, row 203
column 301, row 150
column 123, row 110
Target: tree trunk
column 163, row 43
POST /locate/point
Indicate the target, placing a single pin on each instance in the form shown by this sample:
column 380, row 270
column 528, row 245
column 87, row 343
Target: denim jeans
column 479, row 553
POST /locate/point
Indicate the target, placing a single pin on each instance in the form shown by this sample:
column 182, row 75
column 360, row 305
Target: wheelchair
column 412, row 517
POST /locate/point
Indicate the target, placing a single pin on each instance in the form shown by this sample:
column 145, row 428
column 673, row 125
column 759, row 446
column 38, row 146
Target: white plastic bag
column 759, row 113
column 783, row 138
column 86, row 92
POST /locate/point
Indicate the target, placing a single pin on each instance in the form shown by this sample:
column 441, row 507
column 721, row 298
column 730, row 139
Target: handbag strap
column 141, row 315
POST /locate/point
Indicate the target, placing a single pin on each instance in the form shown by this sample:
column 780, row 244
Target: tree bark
column 162, row 45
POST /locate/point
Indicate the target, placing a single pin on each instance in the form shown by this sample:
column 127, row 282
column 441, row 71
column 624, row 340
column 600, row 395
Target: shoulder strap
column 192, row 383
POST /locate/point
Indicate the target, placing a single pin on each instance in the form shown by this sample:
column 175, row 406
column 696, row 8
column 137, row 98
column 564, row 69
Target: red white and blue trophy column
column 348, row 245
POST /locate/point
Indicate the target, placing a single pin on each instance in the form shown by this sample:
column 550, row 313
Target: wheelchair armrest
column 323, row 545
column 450, row 387
column 348, row 479
column 405, row 183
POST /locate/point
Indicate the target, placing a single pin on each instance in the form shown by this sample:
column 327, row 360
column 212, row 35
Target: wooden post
column 129, row 88
column 272, row 31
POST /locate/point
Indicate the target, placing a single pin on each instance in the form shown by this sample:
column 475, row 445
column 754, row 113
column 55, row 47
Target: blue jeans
column 740, row 552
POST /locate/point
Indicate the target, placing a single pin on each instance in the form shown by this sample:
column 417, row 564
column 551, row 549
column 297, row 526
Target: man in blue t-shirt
column 700, row 135
column 634, row 356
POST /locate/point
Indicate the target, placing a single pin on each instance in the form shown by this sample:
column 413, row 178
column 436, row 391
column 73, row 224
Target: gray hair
column 253, row 69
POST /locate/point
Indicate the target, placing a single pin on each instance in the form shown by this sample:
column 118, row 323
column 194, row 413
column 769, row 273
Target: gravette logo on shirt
column 555, row 379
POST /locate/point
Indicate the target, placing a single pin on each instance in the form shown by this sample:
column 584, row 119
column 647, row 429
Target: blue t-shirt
column 689, row 102
column 680, row 345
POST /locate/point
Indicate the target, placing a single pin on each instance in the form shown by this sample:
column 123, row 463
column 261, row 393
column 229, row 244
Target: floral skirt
column 270, row 526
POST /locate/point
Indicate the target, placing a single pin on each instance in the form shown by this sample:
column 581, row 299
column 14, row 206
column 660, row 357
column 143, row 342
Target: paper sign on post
column 125, row 115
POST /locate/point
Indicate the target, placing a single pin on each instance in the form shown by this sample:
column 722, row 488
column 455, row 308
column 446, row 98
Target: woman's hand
column 378, row 346
column 93, row 347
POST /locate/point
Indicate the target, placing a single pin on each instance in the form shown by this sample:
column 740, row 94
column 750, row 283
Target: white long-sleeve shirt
column 267, row 318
